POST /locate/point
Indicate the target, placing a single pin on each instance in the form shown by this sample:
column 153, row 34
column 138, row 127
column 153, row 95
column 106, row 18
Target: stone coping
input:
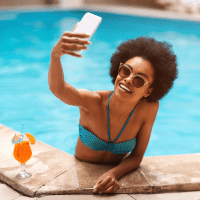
column 57, row 172
column 117, row 9
column 142, row 12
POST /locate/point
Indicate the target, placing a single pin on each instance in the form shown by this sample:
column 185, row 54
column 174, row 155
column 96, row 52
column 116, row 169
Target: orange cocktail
column 22, row 152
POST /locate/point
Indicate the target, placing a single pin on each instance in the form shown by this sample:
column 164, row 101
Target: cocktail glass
column 22, row 150
column 22, row 153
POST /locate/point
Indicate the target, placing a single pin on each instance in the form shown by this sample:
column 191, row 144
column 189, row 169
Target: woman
column 115, row 126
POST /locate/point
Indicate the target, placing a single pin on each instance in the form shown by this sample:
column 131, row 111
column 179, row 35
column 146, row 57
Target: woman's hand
column 70, row 41
column 107, row 183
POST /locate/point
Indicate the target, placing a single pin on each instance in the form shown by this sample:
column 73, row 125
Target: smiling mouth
column 124, row 88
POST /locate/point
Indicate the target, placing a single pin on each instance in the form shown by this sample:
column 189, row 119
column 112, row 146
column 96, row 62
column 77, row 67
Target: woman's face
column 139, row 67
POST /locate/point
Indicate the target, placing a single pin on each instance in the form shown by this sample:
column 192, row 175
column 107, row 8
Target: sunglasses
column 138, row 81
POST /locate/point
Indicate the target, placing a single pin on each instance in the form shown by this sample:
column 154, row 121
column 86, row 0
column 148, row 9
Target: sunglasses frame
column 145, row 80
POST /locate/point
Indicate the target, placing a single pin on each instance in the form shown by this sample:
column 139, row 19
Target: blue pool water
column 27, row 39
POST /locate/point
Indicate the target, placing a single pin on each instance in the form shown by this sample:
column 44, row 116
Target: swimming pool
column 26, row 42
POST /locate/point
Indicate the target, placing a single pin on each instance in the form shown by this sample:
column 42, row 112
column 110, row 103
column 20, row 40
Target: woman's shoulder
column 149, row 109
column 103, row 94
column 98, row 98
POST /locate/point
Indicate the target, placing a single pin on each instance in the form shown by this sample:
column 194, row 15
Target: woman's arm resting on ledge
column 108, row 183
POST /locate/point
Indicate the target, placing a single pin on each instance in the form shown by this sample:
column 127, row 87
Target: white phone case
column 88, row 24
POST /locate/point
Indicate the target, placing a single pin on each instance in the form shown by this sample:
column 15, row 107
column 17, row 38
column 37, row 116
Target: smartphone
column 88, row 24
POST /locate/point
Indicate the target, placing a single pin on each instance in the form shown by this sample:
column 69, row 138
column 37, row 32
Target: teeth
column 124, row 87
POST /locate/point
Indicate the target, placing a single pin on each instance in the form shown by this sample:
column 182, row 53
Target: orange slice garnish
column 31, row 138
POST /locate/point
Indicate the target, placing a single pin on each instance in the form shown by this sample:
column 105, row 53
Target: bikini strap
column 108, row 121
column 108, row 117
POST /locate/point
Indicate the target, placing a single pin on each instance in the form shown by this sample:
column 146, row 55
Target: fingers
column 116, row 188
column 108, row 185
column 68, row 49
column 70, row 42
column 111, row 189
column 102, row 183
column 79, row 35
column 75, row 40
column 69, row 46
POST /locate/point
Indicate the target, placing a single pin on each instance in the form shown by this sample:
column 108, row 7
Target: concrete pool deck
column 117, row 9
column 141, row 11
column 55, row 172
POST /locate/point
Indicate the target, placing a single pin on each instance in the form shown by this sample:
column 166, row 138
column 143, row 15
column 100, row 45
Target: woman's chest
column 97, row 123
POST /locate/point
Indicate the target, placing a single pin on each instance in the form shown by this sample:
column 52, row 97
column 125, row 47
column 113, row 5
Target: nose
column 129, row 79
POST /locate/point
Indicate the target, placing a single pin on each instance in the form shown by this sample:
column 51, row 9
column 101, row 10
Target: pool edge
column 57, row 172
column 115, row 9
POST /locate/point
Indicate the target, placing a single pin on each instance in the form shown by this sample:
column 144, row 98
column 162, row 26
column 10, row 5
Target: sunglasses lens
column 124, row 71
column 138, row 82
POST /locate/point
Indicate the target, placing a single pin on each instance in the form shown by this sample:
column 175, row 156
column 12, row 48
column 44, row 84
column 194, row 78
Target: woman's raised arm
column 62, row 90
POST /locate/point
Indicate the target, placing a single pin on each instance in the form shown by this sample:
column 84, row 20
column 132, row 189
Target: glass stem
column 23, row 168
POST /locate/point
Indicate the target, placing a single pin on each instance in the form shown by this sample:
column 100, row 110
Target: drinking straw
column 31, row 119
column 22, row 127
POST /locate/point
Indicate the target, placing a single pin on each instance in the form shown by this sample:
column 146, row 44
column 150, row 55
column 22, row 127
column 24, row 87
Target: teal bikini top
column 95, row 143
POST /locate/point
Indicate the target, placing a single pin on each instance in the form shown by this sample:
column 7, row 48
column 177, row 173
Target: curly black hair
column 159, row 54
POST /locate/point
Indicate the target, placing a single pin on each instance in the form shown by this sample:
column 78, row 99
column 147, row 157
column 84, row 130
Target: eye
column 138, row 81
column 124, row 71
